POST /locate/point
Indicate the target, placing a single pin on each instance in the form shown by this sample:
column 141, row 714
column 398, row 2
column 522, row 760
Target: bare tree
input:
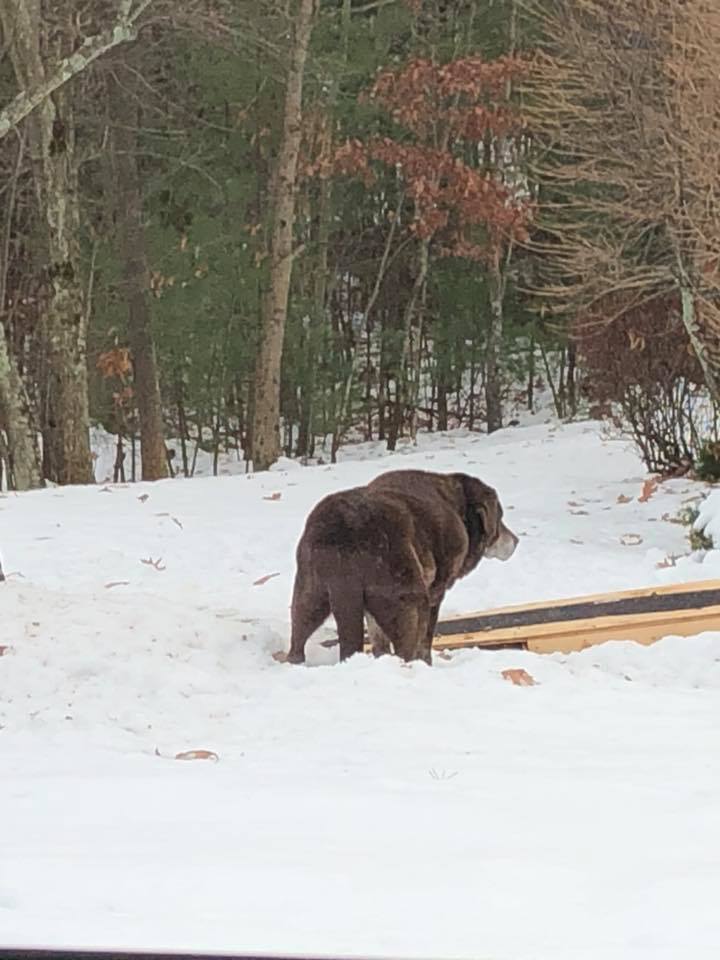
column 43, row 46
column 625, row 105
column 66, row 446
column 128, row 204
column 266, row 417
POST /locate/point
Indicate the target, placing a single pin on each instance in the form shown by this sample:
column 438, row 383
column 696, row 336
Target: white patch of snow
column 363, row 808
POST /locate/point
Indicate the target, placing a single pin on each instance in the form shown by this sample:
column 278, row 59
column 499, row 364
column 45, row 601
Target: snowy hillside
column 368, row 808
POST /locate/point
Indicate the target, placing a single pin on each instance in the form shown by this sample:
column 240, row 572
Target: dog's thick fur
column 390, row 551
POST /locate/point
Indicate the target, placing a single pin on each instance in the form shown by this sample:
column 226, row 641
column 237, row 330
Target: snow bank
column 364, row 808
column 708, row 519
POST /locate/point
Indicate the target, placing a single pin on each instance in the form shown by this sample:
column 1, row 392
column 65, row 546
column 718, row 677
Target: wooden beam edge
column 659, row 590
column 560, row 635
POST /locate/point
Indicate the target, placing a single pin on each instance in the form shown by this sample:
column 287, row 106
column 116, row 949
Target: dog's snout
column 504, row 547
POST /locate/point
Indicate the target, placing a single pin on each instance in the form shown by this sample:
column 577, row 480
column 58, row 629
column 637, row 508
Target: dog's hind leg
column 404, row 621
column 347, row 605
column 310, row 609
column 379, row 641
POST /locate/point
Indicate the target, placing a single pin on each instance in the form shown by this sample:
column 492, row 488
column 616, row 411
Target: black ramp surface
column 582, row 610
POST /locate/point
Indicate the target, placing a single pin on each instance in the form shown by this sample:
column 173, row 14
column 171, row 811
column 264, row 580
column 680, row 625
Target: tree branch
column 123, row 31
column 369, row 7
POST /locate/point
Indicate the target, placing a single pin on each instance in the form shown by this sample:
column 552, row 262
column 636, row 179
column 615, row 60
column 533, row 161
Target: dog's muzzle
column 504, row 546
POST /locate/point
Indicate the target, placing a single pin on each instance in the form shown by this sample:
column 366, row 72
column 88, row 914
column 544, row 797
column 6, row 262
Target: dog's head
column 488, row 535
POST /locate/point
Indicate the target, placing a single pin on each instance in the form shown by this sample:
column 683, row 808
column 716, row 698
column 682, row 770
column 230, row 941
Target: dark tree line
column 276, row 225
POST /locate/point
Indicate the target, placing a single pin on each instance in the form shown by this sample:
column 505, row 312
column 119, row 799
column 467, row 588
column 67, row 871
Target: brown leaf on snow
column 670, row 561
column 521, row 678
column 116, row 583
column 280, row 656
column 3, row 649
column 623, row 499
column 261, row 580
column 648, row 489
column 573, row 503
column 197, row 755
column 273, row 496
column 631, row 539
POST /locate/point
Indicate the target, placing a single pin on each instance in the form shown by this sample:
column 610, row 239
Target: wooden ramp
column 561, row 626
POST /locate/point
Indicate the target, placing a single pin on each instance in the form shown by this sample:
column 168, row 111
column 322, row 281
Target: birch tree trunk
column 16, row 417
column 493, row 346
column 131, row 233
column 65, row 420
column 266, row 416
column 17, row 421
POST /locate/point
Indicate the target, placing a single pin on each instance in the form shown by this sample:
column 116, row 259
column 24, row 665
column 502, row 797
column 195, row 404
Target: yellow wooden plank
column 642, row 633
column 588, row 626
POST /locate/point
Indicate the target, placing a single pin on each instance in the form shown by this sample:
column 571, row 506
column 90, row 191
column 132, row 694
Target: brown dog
column 390, row 550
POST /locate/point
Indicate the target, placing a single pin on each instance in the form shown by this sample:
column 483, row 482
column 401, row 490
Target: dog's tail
column 348, row 607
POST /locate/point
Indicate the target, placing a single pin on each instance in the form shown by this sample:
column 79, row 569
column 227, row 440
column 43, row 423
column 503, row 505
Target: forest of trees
column 277, row 225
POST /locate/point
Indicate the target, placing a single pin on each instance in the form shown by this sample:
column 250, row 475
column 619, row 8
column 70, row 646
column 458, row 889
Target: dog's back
column 346, row 522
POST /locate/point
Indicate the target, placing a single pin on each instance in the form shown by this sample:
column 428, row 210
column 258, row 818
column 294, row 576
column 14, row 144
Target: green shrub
column 699, row 540
column 707, row 466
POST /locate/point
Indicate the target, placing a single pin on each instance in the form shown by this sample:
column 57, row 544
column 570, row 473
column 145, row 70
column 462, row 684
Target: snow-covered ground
column 368, row 808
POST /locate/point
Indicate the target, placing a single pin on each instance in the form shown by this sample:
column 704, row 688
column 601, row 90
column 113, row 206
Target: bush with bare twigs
column 641, row 363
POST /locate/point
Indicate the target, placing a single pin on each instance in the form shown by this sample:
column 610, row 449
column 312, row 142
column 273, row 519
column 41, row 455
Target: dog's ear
column 481, row 501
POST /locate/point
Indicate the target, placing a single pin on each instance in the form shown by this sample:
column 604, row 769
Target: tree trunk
column 405, row 393
column 442, row 399
column 396, row 416
column 65, row 427
column 531, row 370
column 690, row 322
column 20, row 443
column 128, row 210
column 266, row 419
column 572, row 377
column 498, row 274
column 182, row 421
column 306, row 433
column 493, row 378
column 17, row 422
